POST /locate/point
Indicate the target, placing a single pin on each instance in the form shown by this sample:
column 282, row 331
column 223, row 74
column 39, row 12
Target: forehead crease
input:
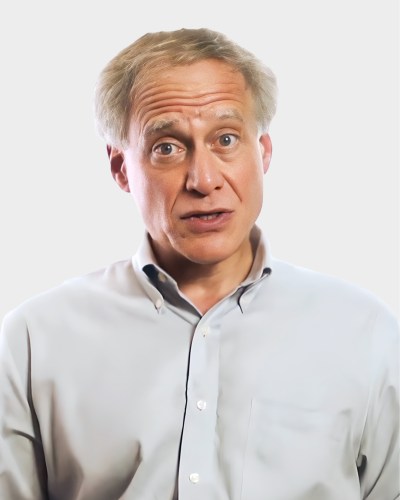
column 197, row 89
column 166, row 123
column 154, row 102
column 153, row 107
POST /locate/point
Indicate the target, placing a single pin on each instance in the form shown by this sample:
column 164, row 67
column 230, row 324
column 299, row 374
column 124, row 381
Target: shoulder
column 326, row 298
column 111, row 284
column 300, row 280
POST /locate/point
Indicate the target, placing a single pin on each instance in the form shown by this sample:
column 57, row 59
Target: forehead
column 208, row 88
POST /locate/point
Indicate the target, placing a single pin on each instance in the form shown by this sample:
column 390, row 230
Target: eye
column 227, row 140
column 166, row 148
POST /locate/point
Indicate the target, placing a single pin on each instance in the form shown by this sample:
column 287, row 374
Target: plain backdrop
column 331, row 194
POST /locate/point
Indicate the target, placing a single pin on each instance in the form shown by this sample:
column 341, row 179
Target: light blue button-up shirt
column 114, row 386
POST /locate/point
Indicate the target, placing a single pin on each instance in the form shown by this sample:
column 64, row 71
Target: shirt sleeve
column 22, row 466
column 379, row 452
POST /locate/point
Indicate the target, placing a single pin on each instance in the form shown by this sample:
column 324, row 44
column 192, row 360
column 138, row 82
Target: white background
column 332, row 189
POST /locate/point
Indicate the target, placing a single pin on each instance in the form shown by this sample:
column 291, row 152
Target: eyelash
column 165, row 144
column 157, row 148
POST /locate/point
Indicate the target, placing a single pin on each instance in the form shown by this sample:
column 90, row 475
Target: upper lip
column 194, row 213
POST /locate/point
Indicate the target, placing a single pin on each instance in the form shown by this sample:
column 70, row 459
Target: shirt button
column 201, row 405
column 162, row 277
column 205, row 331
column 194, row 477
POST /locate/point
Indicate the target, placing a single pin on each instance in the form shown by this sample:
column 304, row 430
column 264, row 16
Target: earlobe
column 118, row 168
column 266, row 151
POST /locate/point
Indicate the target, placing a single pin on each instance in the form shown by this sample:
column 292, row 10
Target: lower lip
column 198, row 225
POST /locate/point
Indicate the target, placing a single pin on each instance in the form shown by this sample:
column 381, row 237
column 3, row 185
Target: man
column 203, row 368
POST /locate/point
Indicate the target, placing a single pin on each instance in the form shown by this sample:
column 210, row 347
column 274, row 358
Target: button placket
column 199, row 427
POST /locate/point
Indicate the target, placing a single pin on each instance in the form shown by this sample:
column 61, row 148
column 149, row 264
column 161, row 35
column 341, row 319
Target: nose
column 204, row 174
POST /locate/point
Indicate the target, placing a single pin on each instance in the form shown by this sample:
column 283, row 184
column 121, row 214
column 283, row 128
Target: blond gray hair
column 123, row 75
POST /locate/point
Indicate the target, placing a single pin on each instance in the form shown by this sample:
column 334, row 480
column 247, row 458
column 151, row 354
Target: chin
column 208, row 254
column 207, row 259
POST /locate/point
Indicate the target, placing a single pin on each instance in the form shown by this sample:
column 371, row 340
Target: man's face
column 195, row 163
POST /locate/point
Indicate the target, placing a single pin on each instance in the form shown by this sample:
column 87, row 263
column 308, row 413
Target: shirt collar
column 149, row 272
column 262, row 263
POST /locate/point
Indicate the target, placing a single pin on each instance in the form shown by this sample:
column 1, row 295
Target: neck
column 207, row 284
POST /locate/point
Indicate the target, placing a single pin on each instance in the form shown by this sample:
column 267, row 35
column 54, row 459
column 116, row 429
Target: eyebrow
column 167, row 124
column 226, row 114
column 159, row 125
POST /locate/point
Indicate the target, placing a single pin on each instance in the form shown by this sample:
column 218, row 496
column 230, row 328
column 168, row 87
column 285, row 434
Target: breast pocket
column 293, row 453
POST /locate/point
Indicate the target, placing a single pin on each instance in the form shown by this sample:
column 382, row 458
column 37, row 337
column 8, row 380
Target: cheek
column 252, row 181
column 138, row 190
column 254, row 192
column 156, row 196
column 142, row 193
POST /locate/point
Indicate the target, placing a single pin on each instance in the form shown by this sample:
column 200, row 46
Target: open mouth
column 206, row 215
column 200, row 222
column 211, row 216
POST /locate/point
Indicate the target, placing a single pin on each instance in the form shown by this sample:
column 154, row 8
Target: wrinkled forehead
column 202, row 84
column 155, row 70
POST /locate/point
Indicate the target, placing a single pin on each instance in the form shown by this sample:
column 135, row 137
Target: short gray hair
column 119, row 80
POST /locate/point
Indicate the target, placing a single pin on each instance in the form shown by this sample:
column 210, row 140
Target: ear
column 266, row 150
column 118, row 167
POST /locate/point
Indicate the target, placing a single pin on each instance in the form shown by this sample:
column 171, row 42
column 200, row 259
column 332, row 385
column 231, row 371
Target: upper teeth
column 208, row 217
